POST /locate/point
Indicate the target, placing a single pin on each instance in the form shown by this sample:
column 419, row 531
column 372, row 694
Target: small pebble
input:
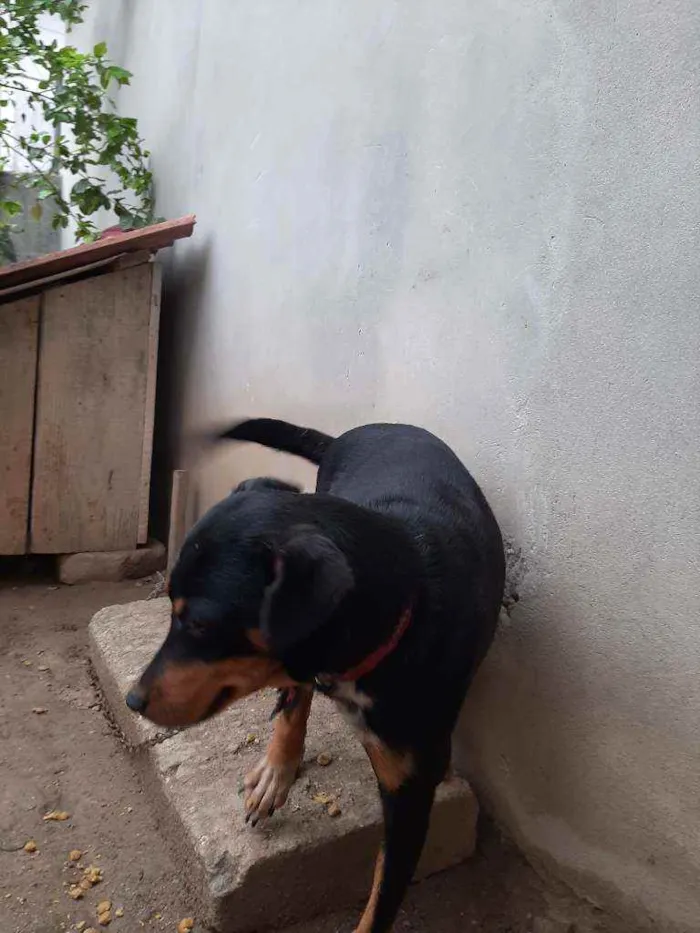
column 119, row 912
column 80, row 926
column 30, row 846
column 185, row 925
column 324, row 759
column 43, row 668
column 105, row 919
column 56, row 816
column 93, row 874
column 75, row 855
column 76, row 892
column 104, row 906
column 251, row 738
column 27, row 663
column 334, row 809
column 39, row 710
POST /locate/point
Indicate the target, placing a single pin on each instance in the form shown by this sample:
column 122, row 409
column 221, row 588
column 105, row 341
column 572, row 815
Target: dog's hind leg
column 268, row 784
column 407, row 785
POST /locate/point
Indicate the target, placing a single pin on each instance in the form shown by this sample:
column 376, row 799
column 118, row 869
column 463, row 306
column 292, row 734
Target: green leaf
column 100, row 50
column 11, row 208
column 120, row 75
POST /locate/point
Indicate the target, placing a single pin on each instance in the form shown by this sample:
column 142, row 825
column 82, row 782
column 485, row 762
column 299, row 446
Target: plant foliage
column 81, row 136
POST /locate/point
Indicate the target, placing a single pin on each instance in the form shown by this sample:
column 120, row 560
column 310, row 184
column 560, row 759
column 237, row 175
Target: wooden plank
column 178, row 515
column 91, row 397
column 19, row 328
column 152, row 238
column 150, row 408
column 122, row 261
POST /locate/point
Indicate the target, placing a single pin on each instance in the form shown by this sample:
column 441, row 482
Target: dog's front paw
column 267, row 787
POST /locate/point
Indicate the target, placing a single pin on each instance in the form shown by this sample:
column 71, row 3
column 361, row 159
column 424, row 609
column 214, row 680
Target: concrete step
column 301, row 863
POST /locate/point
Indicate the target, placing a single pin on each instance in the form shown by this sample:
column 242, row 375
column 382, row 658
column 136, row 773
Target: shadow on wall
column 183, row 283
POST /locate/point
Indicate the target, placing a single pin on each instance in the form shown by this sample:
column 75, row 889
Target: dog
column 381, row 590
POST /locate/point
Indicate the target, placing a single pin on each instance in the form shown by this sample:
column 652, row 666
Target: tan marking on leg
column 289, row 733
column 268, row 784
column 179, row 605
column 392, row 768
column 367, row 918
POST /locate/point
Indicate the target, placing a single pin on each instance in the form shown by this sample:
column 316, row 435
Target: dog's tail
column 280, row 435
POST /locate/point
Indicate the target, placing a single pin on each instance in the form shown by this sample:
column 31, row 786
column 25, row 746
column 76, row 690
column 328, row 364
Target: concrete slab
column 111, row 566
column 301, row 863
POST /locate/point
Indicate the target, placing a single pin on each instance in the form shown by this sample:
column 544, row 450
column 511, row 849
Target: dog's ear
column 265, row 482
column 310, row 577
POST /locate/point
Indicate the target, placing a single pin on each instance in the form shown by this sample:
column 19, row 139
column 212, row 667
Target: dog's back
column 409, row 472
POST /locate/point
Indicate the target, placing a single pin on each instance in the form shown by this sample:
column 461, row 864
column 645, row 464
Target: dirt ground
column 58, row 752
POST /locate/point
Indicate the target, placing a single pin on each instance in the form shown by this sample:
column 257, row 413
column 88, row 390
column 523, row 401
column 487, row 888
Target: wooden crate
column 77, row 400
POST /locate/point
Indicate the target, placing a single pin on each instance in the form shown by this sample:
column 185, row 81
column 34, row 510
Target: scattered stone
column 119, row 912
column 39, row 710
column 333, row 809
column 322, row 799
column 105, row 919
column 80, row 926
column 104, row 906
column 76, row 892
column 56, row 816
column 93, row 874
column 185, row 925
column 324, row 759
column 27, row 663
column 43, row 668
column 30, row 846
column 75, row 855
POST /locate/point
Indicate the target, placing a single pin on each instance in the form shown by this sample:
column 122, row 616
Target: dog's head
column 255, row 579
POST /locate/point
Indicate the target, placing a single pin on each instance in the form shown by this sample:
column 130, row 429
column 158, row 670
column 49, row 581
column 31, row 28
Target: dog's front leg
column 407, row 784
column 268, row 784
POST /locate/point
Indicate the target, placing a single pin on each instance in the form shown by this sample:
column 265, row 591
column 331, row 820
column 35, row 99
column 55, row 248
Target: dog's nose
column 136, row 701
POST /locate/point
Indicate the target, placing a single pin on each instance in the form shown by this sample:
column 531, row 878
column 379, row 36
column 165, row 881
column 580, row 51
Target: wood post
column 178, row 515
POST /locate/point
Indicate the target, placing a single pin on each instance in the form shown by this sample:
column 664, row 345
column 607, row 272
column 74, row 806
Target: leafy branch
column 80, row 135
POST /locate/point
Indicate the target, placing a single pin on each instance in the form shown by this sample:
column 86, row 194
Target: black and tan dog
column 382, row 590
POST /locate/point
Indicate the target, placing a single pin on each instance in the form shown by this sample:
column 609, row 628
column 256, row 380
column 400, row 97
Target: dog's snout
column 136, row 700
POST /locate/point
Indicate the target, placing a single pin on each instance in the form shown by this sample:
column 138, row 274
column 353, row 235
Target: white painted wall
column 483, row 218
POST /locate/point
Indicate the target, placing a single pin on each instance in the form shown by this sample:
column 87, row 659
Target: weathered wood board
column 97, row 350
column 19, row 326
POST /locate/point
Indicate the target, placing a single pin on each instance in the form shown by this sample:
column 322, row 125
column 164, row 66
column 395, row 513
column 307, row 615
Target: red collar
column 374, row 660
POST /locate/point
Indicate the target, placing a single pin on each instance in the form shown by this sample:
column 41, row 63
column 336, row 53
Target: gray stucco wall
column 480, row 217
